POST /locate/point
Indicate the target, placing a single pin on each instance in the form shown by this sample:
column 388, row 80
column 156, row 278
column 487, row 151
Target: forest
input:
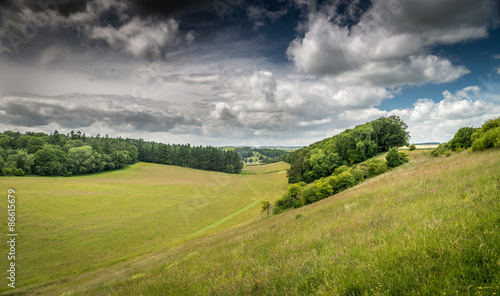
column 76, row 154
column 321, row 159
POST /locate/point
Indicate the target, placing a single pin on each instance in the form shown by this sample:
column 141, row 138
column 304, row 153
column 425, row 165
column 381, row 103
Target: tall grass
column 430, row 227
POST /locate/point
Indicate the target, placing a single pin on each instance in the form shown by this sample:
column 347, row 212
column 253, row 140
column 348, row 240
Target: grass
column 265, row 169
column 71, row 226
column 430, row 227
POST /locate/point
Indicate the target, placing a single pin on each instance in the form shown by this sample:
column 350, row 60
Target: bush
column 393, row 158
column 462, row 139
column 377, row 167
column 291, row 199
column 18, row 172
column 360, row 173
column 333, row 181
column 277, row 209
column 308, row 194
column 403, row 157
column 488, row 136
column 341, row 169
column 396, row 158
column 488, row 139
column 412, row 147
column 345, row 180
column 323, row 189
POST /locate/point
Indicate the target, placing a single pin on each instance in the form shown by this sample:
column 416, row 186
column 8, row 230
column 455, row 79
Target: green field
column 430, row 227
column 71, row 226
column 265, row 168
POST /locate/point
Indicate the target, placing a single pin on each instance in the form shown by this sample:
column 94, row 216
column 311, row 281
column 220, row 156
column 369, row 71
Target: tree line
column 353, row 146
column 266, row 155
column 76, row 154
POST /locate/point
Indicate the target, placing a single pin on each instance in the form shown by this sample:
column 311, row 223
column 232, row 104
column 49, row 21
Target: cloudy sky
column 240, row 72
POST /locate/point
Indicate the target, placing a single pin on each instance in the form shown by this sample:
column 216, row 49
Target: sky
column 240, row 72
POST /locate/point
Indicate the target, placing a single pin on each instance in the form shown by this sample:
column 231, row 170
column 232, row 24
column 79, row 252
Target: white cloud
column 390, row 44
column 439, row 121
column 141, row 38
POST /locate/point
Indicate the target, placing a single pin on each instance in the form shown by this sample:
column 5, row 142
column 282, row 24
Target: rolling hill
column 430, row 227
column 70, row 226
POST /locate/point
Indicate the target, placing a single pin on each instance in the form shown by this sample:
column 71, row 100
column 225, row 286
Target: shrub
column 360, row 173
column 341, row 169
column 403, row 157
column 488, row 139
column 412, row 147
column 308, row 194
column 345, row 180
column 291, row 199
column 277, row 209
column 323, row 189
column 462, row 139
column 333, row 181
column 377, row 167
column 393, row 158
column 17, row 172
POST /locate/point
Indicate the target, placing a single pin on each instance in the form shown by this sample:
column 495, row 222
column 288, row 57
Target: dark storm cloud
column 64, row 8
column 171, row 8
column 82, row 111
column 137, row 28
column 144, row 8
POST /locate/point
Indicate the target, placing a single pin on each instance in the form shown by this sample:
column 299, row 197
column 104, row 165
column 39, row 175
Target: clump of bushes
column 343, row 177
column 377, row 167
column 462, row 139
column 488, row 136
column 485, row 137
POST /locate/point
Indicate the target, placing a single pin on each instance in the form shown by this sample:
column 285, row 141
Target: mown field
column 70, row 227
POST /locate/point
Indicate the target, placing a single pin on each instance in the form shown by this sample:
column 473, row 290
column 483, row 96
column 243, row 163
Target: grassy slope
column 265, row 169
column 430, row 227
column 72, row 226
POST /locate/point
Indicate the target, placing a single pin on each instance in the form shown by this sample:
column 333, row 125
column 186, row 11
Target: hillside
column 72, row 226
column 352, row 146
column 429, row 227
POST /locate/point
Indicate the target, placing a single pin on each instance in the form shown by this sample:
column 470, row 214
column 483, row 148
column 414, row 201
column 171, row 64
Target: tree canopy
column 76, row 154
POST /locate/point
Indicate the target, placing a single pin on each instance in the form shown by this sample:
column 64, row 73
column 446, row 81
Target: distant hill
column 427, row 143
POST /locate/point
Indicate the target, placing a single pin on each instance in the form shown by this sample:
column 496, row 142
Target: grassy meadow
column 430, row 227
column 70, row 226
